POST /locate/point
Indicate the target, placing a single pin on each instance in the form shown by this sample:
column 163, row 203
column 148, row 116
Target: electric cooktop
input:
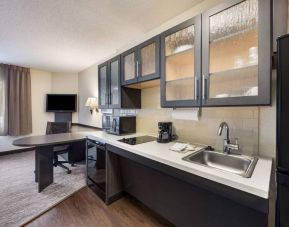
column 138, row 140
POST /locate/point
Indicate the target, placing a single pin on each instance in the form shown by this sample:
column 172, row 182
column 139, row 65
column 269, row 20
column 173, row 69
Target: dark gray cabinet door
column 141, row 63
column 236, row 53
column 103, row 89
column 149, row 60
column 181, row 65
column 129, row 67
column 111, row 94
column 114, row 83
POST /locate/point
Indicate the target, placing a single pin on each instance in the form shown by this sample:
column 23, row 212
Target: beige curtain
column 19, row 101
column 3, row 100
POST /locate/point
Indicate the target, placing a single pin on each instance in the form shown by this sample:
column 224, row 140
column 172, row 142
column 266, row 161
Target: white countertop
column 258, row 184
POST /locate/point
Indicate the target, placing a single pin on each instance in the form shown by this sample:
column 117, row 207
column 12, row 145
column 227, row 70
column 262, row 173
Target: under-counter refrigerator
column 282, row 156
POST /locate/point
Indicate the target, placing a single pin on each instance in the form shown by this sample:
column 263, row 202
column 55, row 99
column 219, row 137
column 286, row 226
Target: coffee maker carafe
column 165, row 132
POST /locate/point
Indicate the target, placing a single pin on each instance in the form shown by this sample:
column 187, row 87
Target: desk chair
column 60, row 127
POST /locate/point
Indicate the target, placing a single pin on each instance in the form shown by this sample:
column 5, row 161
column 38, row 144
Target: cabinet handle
column 114, row 125
column 197, row 92
column 205, row 87
column 137, row 69
column 106, row 98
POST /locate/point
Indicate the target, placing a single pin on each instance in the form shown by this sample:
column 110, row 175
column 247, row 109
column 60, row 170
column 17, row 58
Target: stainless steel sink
column 236, row 164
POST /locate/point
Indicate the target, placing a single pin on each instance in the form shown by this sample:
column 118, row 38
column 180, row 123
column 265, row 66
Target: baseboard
column 115, row 197
column 2, row 153
column 87, row 126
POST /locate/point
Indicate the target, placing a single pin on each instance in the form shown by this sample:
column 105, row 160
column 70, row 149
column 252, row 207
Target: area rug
column 20, row 201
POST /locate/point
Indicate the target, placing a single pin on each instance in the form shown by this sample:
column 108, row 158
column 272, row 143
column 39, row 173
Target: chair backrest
column 58, row 127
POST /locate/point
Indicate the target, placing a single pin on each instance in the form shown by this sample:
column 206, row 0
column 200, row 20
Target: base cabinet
column 187, row 204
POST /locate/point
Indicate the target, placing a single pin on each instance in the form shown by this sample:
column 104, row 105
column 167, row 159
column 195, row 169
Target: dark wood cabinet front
column 223, row 59
column 182, row 198
column 149, row 59
column 129, row 67
column 181, row 65
column 111, row 94
column 236, row 53
column 103, row 88
column 109, row 84
column 141, row 63
column 114, row 83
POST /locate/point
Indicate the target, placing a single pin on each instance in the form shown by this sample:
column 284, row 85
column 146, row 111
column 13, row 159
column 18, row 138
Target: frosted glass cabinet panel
column 180, row 63
column 148, row 63
column 234, row 37
column 103, row 85
column 233, row 50
column 149, row 60
column 129, row 66
column 114, row 82
column 141, row 63
column 109, row 84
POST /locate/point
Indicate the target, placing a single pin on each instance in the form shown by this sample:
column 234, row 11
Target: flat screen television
column 61, row 102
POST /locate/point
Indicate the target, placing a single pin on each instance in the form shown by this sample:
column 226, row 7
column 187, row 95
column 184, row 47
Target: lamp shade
column 91, row 102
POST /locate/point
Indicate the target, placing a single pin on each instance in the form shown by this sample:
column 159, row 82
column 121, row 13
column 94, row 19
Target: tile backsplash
column 243, row 123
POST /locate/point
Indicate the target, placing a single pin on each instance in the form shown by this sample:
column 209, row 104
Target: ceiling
column 71, row 35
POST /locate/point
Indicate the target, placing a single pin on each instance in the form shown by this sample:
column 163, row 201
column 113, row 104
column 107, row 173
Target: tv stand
column 63, row 116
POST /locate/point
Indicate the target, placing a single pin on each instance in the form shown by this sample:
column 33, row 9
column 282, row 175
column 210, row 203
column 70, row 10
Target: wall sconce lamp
column 92, row 104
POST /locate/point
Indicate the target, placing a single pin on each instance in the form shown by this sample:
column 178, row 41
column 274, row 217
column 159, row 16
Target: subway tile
column 243, row 122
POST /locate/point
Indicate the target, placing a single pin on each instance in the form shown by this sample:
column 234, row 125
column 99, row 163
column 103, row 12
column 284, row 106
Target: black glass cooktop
column 138, row 140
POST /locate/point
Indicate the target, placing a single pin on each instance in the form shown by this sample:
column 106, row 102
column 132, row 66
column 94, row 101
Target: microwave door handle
column 114, row 125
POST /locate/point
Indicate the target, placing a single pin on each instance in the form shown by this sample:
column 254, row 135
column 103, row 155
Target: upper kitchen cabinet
column 114, row 82
column 181, row 65
column 141, row 63
column 111, row 94
column 103, row 88
column 149, row 60
column 236, row 54
column 129, row 67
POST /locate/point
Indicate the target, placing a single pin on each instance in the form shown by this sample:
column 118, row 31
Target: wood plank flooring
column 84, row 208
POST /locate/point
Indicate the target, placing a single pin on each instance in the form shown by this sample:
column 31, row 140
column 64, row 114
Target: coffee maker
column 165, row 132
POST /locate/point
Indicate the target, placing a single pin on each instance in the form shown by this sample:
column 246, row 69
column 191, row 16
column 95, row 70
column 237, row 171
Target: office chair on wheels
column 55, row 128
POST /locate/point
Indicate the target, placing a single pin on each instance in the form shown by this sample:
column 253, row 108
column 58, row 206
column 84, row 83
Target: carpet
column 19, row 198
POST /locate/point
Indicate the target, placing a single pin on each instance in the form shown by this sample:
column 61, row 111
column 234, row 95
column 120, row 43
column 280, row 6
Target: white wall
column 88, row 87
column 42, row 83
column 65, row 83
column 40, row 86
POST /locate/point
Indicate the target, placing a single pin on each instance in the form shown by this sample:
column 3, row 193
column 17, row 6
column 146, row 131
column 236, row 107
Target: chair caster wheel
column 68, row 171
column 72, row 165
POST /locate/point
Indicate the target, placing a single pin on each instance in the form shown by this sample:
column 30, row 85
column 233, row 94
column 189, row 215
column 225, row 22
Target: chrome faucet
column 227, row 146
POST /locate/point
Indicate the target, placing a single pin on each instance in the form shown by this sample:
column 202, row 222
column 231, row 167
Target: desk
column 44, row 153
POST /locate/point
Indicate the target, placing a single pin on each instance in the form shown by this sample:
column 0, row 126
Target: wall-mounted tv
column 61, row 102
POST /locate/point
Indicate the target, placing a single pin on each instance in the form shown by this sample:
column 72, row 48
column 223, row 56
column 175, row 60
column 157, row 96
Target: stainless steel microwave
column 119, row 125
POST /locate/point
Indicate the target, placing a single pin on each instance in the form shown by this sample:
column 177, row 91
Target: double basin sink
column 237, row 164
